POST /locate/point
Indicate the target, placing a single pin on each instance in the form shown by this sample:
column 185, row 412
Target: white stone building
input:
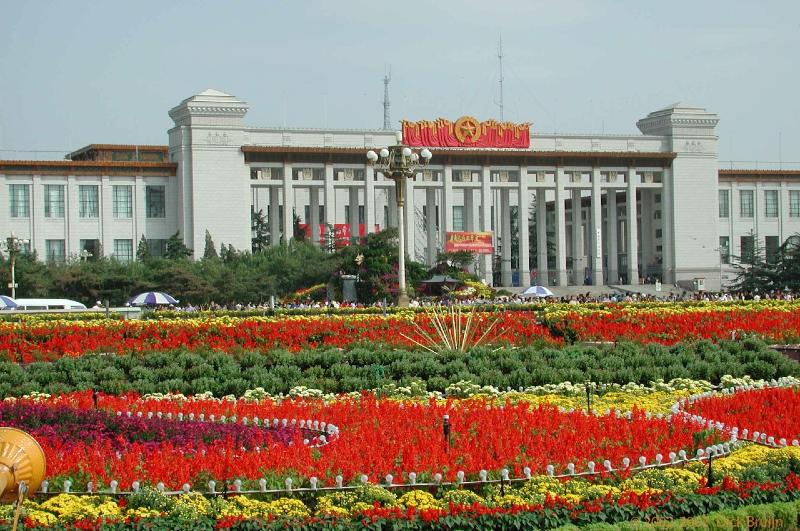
column 687, row 220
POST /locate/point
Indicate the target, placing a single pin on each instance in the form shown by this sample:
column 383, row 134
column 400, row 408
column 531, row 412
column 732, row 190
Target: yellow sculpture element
column 468, row 130
column 21, row 459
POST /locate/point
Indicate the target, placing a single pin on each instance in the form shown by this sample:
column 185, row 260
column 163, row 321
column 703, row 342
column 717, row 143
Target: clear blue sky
column 75, row 72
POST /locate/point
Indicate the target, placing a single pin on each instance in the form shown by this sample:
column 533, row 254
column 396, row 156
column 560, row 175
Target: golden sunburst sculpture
column 453, row 332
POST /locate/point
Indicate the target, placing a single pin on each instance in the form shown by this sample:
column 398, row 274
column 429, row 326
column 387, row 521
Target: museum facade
column 561, row 209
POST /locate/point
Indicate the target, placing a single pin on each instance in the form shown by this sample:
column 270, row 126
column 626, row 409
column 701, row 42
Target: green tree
column 753, row 273
column 378, row 270
column 299, row 232
column 456, row 260
column 210, row 252
column 143, row 250
column 176, row 250
column 260, row 231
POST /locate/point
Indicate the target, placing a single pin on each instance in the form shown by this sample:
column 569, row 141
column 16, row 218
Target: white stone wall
column 72, row 228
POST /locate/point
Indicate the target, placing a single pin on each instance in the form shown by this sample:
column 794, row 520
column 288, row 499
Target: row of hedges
column 335, row 370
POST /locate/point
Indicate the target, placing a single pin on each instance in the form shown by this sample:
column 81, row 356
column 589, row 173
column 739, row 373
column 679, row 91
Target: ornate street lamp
column 400, row 162
column 14, row 246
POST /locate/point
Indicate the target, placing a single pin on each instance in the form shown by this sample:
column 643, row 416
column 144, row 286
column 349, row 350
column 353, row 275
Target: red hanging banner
column 466, row 132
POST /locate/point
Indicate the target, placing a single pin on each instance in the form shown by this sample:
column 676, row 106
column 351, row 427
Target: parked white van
column 48, row 304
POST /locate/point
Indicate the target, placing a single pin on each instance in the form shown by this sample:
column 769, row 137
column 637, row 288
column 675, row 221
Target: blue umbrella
column 7, row 303
column 152, row 298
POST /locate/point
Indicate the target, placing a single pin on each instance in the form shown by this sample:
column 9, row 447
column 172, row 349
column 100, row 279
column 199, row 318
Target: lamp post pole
column 399, row 189
column 13, row 245
column 399, row 163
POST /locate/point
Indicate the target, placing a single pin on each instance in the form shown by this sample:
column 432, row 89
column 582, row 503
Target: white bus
column 48, row 304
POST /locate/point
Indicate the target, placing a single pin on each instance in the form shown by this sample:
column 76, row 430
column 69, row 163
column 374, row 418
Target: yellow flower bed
column 747, row 457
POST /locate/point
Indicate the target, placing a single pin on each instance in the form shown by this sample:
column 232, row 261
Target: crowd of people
column 588, row 297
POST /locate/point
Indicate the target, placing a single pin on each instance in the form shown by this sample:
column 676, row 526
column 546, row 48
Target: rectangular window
column 771, row 246
column 656, row 214
column 89, row 249
column 123, row 250
column 123, row 201
column 724, row 203
column 19, row 200
column 157, row 248
column 54, row 201
column 746, row 203
column 771, row 203
column 725, row 249
column 748, row 249
column 659, row 233
column 155, row 201
column 794, row 203
column 458, row 218
column 55, row 251
column 88, row 201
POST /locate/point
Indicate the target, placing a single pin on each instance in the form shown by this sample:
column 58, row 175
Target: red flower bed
column 54, row 340
column 377, row 437
column 672, row 325
column 774, row 411
column 666, row 325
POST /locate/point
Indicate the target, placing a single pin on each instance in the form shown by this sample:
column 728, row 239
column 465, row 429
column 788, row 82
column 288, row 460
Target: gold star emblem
column 467, row 130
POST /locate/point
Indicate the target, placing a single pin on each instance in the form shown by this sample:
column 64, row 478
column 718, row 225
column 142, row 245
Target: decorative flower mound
column 378, row 437
column 772, row 413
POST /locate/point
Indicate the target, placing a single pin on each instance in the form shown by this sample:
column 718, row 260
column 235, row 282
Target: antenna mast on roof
column 500, row 57
column 387, row 122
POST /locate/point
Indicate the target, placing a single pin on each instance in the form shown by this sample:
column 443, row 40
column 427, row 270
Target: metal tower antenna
column 387, row 122
column 500, row 57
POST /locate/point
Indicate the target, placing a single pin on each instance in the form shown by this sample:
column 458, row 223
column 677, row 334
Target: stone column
column 612, row 233
column 392, row 195
column 597, row 229
column 288, row 203
column 561, row 229
column 353, row 221
column 430, row 225
column 274, row 216
column 646, row 230
column 542, row 275
column 632, row 229
column 783, row 212
column 486, row 220
column 667, row 220
column 577, row 235
column 313, row 218
column 524, row 234
column 447, row 201
column 71, row 217
column 410, row 219
column 505, row 219
column 469, row 210
column 107, row 216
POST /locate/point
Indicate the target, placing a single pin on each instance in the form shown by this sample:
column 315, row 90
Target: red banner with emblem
column 466, row 132
column 476, row 242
